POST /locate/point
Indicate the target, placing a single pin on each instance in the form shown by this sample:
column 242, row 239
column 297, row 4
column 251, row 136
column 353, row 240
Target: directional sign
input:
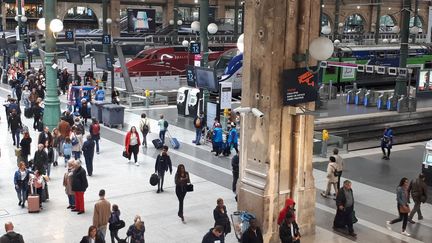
column 23, row 30
column 195, row 48
column 69, row 35
column 106, row 39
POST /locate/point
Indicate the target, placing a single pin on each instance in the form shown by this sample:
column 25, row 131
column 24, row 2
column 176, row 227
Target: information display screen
column 73, row 55
column 424, row 83
column 206, row 79
column 141, row 20
column 190, row 76
column 103, row 60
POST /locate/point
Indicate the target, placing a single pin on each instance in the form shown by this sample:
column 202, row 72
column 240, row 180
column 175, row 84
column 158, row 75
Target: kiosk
column 182, row 99
column 193, row 102
column 427, row 163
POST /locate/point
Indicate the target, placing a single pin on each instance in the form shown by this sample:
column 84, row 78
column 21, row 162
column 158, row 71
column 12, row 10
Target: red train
column 148, row 62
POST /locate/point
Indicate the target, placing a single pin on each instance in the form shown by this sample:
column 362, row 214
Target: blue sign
column 106, row 39
column 69, row 35
column 195, row 48
column 23, row 30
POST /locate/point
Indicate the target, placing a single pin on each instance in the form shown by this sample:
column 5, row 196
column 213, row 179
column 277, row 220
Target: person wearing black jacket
column 25, row 147
column 289, row 230
column 163, row 163
column 214, row 235
column 37, row 115
column 40, row 160
column 252, row 234
column 92, row 236
column 181, row 181
column 88, row 151
column 79, row 186
column 345, row 208
column 67, row 116
column 235, row 170
column 45, row 136
column 220, row 216
column 15, row 126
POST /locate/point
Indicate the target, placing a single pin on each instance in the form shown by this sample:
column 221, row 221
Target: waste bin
column 182, row 97
column 113, row 115
column 427, row 163
column 96, row 109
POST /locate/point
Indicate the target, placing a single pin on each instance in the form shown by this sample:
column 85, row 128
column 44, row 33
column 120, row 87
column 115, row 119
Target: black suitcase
column 28, row 113
column 154, row 178
column 157, row 143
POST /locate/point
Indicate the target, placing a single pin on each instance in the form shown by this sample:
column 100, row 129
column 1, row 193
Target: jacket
column 289, row 203
column 340, row 162
column 43, row 137
column 163, row 163
column 114, row 217
column 202, row 122
column 235, row 163
column 181, row 184
column 217, row 135
column 79, row 180
column 222, row 219
column 287, row 236
column 17, row 178
column 137, row 236
column 40, row 160
column 88, row 148
column 6, row 238
column 67, row 149
column 418, row 190
column 94, row 132
column 14, row 122
column 249, row 236
column 25, row 146
column 102, row 213
column 341, row 199
column 67, row 183
column 85, row 239
column 211, row 238
column 331, row 169
column 402, row 196
column 127, row 140
column 77, row 147
column 233, row 136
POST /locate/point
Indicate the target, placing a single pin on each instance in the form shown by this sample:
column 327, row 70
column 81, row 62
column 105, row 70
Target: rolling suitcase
column 174, row 142
column 157, row 143
column 33, row 202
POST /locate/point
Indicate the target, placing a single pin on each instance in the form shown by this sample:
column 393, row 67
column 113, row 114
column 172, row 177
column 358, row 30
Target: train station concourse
column 216, row 121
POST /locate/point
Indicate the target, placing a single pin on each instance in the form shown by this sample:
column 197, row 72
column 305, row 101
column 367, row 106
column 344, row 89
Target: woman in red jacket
column 132, row 143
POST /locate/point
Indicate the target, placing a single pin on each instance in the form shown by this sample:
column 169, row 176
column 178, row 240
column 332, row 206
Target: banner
column 141, row 20
column 299, row 86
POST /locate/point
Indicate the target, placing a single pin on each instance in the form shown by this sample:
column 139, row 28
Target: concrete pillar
column 115, row 16
column 276, row 151
column 220, row 11
column 3, row 13
column 168, row 12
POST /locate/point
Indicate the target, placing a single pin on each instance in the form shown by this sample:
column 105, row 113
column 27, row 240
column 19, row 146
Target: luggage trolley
column 240, row 220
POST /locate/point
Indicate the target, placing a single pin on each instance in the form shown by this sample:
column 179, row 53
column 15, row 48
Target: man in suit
column 11, row 235
column 102, row 213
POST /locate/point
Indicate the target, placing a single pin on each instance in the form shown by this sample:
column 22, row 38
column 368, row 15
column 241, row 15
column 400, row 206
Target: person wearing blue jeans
column 199, row 124
column 163, row 126
column 67, row 183
column 15, row 126
column 21, row 179
column 95, row 133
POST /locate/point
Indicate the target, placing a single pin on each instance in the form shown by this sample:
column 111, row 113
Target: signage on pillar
column 298, row 86
column 225, row 95
column 69, row 35
column 195, row 48
column 197, row 60
column 67, row 55
column 106, row 39
column 23, row 30
column 109, row 63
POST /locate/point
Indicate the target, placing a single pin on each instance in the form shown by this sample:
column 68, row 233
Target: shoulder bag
column 404, row 208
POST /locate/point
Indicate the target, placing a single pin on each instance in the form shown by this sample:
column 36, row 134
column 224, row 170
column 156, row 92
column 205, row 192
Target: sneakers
column 411, row 221
column 324, row 194
column 352, row 234
column 405, row 233
column 388, row 225
column 136, row 163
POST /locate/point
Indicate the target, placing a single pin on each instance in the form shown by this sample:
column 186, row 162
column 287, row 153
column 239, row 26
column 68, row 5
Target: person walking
column 214, row 235
column 40, row 159
column 163, row 126
column 95, row 133
column 220, row 216
column 11, row 235
column 67, row 183
column 132, row 143
column 199, row 124
column 289, row 230
column 88, row 151
column 67, row 150
column 235, row 164
column 181, row 181
column 387, row 142
column 21, row 179
column 340, row 165
column 144, row 128
column 418, row 190
column 163, row 163
column 253, row 234
column 76, row 141
column 56, row 144
column 50, row 155
column 136, row 231
column 233, row 138
column 114, row 218
column 102, row 213
column 331, row 177
column 44, row 136
column 402, row 198
column 100, row 94
column 92, row 236
column 37, row 115
column 15, row 126
column 25, row 147
column 79, row 186
column 345, row 208
column 25, row 97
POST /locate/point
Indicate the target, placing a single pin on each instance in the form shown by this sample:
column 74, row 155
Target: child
column 67, row 150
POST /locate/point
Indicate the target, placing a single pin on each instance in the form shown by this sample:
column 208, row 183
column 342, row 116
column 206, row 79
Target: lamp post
column 20, row 19
column 52, row 26
column 204, row 7
column 236, row 13
column 377, row 22
column 401, row 81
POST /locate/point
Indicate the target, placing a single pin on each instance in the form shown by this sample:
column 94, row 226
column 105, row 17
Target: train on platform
column 419, row 57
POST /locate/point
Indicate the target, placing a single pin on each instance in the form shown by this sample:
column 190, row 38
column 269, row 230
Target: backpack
column 198, row 122
column 74, row 140
column 95, row 129
column 145, row 127
column 336, row 172
column 165, row 124
column 13, row 239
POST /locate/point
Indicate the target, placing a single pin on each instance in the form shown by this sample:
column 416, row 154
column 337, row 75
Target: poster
column 225, row 95
column 299, row 86
column 348, row 73
column 424, row 81
column 141, row 20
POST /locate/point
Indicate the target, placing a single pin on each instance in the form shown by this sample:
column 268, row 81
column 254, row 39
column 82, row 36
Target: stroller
column 240, row 220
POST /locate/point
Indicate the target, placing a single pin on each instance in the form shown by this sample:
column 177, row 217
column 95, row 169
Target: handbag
column 117, row 225
column 404, row 209
column 354, row 218
column 125, row 154
column 189, row 187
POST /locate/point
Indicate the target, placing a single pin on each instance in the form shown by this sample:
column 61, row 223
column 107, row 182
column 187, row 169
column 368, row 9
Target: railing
column 369, row 38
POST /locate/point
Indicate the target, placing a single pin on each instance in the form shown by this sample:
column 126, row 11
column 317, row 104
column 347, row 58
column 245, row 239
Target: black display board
column 206, row 79
column 103, row 60
column 190, row 76
column 141, row 20
column 299, row 86
column 73, row 55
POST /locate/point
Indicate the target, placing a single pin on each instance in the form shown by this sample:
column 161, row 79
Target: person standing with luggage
column 114, row 218
column 387, row 142
column 67, row 183
column 402, row 198
column 88, row 151
column 340, row 165
column 132, row 143
column 163, row 163
column 345, row 208
column 163, row 126
column 181, row 181
column 95, row 133
column 11, row 235
column 21, row 179
column 418, row 190
column 220, row 216
column 331, row 177
column 25, row 147
column 144, row 128
column 79, row 186
column 38, row 183
column 15, row 126
column 199, row 124
column 102, row 213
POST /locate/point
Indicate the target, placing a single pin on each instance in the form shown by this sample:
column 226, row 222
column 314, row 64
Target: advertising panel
column 424, row 81
column 141, row 20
